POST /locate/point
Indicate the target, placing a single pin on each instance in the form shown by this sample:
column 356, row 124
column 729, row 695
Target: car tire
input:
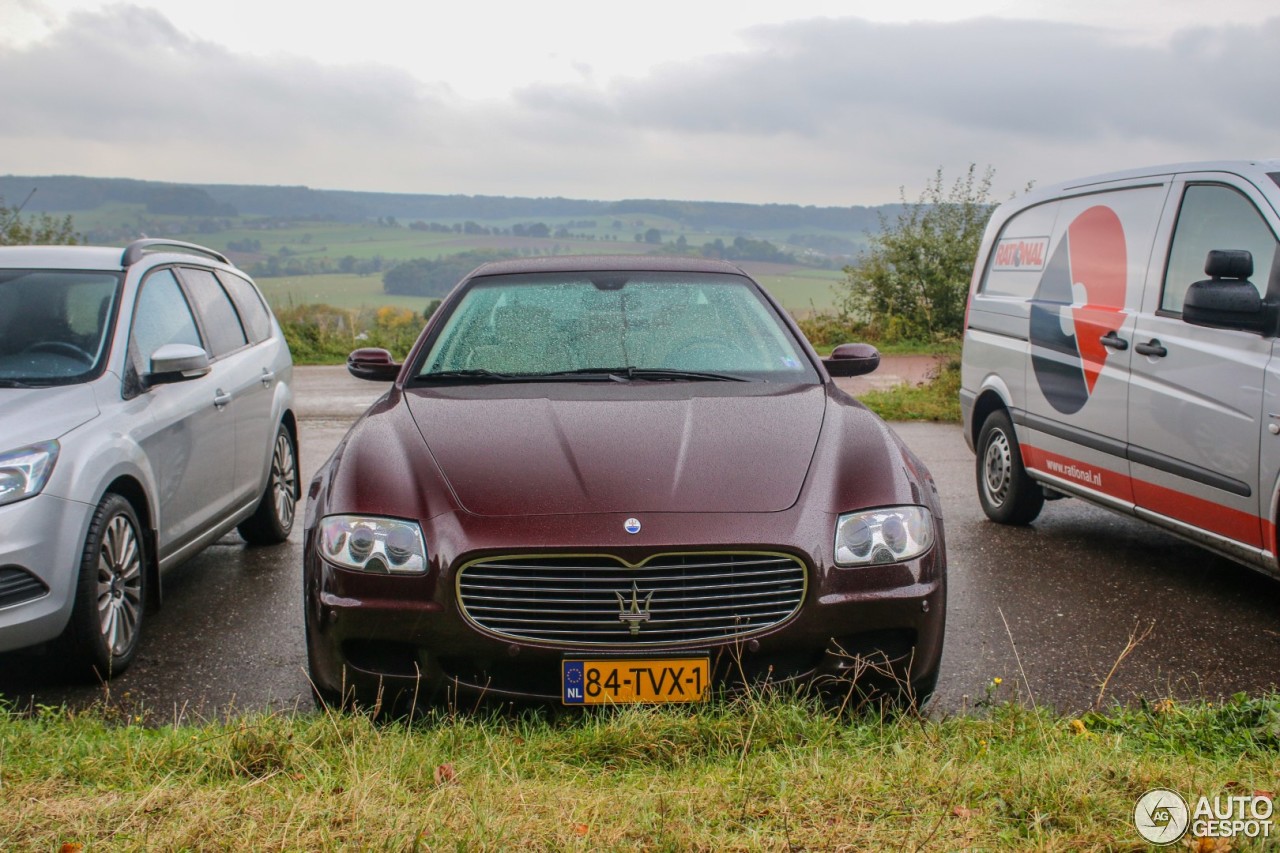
column 1007, row 494
column 272, row 521
column 102, row 637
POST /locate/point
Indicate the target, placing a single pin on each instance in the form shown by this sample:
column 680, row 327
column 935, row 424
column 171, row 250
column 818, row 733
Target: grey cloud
column 818, row 77
column 837, row 111
column 127, row 74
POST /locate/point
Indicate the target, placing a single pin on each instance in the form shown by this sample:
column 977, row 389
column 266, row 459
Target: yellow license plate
column 620, row 682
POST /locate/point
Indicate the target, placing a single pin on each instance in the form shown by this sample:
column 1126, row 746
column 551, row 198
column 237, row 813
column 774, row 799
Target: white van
column 1120, row 346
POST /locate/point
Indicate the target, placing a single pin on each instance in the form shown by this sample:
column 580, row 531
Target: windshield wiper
column 486, row 375
column 631, row 372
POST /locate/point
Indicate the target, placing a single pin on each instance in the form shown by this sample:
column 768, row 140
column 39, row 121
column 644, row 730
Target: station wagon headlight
column 369, row 544
column 877, row 536
column 24, row 472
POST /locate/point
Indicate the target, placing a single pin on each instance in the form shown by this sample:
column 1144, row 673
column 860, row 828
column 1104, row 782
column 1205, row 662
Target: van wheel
column 1007, row 494
column 106, row 617
column 272, row 521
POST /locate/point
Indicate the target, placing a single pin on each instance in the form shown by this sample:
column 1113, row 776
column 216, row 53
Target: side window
column 1214, row 217
column 219, row 318
column 257, row 322
column 161, row 317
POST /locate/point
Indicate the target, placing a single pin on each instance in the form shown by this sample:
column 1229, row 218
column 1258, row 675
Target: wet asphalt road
column 1049, row 609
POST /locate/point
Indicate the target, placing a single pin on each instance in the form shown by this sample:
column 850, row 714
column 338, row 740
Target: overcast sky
column 803, row 101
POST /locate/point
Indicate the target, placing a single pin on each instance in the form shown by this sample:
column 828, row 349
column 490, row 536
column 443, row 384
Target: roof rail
column 135, row 250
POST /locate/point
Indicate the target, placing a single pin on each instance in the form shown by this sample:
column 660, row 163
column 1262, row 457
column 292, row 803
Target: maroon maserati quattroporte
column 605, row 480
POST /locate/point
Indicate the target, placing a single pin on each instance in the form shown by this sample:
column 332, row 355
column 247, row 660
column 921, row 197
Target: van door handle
column 1152, row 347
column 221, row 398
column 1114, row 341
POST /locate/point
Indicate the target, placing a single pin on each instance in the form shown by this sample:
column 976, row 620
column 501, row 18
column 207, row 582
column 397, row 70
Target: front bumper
column 41, row 544
column 408, row 633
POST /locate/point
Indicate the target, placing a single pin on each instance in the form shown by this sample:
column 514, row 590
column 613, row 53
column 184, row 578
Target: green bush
column 323, row 334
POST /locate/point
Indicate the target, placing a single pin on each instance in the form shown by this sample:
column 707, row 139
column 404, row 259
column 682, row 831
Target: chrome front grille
column 603, row 600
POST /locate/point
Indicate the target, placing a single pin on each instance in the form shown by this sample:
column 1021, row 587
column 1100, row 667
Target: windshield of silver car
column 615, row 326
column 54, row 325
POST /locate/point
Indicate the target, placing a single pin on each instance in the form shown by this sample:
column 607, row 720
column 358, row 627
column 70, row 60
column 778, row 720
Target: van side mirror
column 852, row 360
column 374, row 364
column 1227, row 300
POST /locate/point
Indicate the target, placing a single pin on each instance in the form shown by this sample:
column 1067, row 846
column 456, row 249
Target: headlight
column 888, row 535
column 24, row 472
column 368, row 544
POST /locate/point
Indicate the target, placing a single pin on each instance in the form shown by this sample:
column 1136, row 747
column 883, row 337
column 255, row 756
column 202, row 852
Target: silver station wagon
column 145, row 411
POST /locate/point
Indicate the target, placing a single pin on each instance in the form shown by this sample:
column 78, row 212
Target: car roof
column 61, row 257
column 1258, row 169
column 104, row 257
column 606, row 263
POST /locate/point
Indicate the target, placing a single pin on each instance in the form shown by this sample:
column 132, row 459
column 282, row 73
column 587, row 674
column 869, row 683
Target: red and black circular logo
column 1079, row 300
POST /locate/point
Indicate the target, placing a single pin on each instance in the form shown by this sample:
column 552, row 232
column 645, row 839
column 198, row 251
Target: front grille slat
column 18, row 586
column 681, row 598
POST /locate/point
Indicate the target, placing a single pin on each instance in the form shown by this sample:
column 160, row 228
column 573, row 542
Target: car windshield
column 54, row 324
column 615, row 326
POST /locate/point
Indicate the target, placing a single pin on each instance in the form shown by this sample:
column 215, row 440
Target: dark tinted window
column 1214, row 217
column 55, row 326
column 257, row 322
column 219, row 318
column 161, row 317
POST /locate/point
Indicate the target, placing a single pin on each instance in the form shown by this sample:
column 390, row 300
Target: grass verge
column 935, row 400
column 752, row 775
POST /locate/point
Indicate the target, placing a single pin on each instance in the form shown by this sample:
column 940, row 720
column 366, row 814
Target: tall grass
column 757, row 774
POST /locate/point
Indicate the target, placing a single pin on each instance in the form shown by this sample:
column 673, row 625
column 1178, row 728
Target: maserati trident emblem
column 632, row 613
column 631, row 525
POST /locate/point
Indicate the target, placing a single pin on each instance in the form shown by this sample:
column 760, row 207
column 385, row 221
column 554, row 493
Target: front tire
column 1007, row 494
column 106, row 618
column 272, row 521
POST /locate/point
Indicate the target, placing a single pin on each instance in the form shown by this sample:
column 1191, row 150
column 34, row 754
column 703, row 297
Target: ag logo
column 1080, row 298
column 1161, row 816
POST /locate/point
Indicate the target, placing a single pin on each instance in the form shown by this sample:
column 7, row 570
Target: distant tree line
column 73, row 193
column 436, row 277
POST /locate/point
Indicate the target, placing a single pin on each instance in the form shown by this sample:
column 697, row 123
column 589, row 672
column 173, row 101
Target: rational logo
column 1020, row 254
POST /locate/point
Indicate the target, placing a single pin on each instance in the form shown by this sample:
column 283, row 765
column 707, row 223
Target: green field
column 800, row 288
column 340, row 290
column 799, row 291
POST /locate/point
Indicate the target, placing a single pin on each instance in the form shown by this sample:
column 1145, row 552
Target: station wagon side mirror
column 1227, row 300
column 374, row 364
column 852, row 360
column 177, row 363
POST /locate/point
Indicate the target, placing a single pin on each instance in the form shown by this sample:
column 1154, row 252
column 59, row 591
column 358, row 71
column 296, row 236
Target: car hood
column 627, row 448
column 28, row 415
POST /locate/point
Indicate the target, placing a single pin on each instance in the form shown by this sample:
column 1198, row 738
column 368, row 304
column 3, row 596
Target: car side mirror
column 177, row 363
column 1227, row 300
column 852, row 360
column 374, row 364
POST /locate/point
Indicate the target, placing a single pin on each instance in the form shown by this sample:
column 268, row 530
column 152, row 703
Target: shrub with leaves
column 29, row 230
column 912, row 283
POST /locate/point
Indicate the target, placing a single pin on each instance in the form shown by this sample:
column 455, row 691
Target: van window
column 1214, row 217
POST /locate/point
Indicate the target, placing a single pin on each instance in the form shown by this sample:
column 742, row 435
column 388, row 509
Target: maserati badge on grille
column 632, row 613
column 631, row 525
